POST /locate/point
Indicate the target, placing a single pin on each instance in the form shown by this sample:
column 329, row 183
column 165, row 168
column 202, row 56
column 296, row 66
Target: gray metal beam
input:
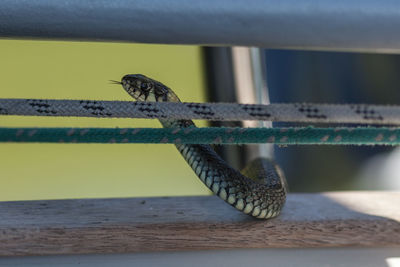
column 343, row 25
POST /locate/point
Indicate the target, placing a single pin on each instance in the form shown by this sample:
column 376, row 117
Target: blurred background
column 81, row 70
column 334, row 77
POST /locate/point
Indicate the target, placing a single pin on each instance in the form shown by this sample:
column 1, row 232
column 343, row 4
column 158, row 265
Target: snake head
column 143, row 88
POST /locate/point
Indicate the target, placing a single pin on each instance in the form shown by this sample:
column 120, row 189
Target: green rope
column 192, row 135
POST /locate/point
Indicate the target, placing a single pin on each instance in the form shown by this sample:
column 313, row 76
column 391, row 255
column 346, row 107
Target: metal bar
column 343, row 25
column 221, row 88
column 251, row 87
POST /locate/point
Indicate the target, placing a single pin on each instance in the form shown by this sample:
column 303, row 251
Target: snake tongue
column 114, row 82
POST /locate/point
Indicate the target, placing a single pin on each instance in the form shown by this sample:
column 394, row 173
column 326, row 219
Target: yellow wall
column 80, row 70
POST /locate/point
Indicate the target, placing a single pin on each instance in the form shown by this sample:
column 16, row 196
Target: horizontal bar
column 290, row 112
column 80, row 226
column 343, row 25
column 220, row 135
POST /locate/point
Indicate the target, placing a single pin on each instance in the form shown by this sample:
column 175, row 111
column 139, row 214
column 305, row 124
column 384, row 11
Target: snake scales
column 258, row 190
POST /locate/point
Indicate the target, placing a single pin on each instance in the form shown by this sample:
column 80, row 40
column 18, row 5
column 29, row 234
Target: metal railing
column 340, row 25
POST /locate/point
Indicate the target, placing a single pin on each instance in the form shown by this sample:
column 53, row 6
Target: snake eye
column 143, row 86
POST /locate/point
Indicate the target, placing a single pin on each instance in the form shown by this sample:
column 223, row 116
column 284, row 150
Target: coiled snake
column 258, row 190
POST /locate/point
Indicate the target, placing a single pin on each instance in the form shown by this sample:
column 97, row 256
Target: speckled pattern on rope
column 291, row 112
column 192, row 135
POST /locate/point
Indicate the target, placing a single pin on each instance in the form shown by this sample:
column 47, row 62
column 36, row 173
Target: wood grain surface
column 337, row 219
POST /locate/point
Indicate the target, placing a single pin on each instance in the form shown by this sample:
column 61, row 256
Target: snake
column 258, row 190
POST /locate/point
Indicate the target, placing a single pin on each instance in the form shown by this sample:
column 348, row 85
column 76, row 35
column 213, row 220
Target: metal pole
column 251, row 87
column 343, row 25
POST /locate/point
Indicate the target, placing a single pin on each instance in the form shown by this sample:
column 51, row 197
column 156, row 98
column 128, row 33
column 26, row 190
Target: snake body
column 258, row 190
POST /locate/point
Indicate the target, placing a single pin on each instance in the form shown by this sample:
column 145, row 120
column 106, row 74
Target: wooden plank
column 361, row 219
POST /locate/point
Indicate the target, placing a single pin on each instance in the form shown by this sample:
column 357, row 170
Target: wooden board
column 360, row 219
